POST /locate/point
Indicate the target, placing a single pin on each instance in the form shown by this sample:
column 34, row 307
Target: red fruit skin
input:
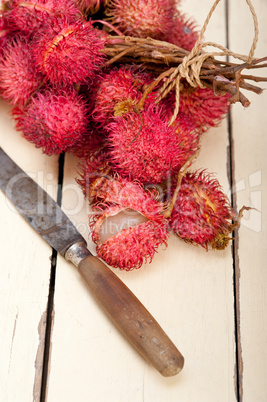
column 143, row 18
column 201, row 105
column 93, row 170
column 90, row 145
column 18, row 76
column 4, row 37
column 91, row 7
column 113, row 189
column 146, row 148
column 54, row 121
column 133, row 246
column 29, row 16
column 184, row 33
column 117, row 91
column 4, row 32
column 69, row 54
column 202, row 213
column 188, row 136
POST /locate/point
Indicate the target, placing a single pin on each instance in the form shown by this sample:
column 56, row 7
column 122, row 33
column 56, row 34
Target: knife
column 120, row 304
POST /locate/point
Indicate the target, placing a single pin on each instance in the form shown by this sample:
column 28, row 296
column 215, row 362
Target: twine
column 191, row 66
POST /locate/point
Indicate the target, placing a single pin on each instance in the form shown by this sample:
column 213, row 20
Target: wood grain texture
column 131, row 317
column 250, row 167
column 24, row 277
column 187, row 290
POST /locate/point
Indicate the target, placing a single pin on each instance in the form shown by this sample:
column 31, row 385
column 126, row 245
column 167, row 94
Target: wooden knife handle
column 131, row 317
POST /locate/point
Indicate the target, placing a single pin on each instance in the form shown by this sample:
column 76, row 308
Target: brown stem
column 250, row 87
column 253, row 78
column 152, row 86
column 229, row 87
column 164, row 57
column 242, row 84
column 118, row 56
column 180, row 176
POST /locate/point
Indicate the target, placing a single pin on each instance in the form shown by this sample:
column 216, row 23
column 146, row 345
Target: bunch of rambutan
column 48, row 50
column 66, row 98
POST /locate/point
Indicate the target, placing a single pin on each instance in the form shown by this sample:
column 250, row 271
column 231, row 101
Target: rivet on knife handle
column 127, row 312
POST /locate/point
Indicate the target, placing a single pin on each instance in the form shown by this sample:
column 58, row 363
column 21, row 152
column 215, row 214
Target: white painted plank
column 250, row 144
column 24, row 276
column 187, row 290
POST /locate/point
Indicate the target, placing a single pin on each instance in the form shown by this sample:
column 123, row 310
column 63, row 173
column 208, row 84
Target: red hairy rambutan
column 202, row 213
column 130, row 227
column 91, row 7
column 89, row 145
column 188, row 138
column 55, row 121
column 117, row 91
column 18, row 76
column 70, row 54
column 93, row 170
column 184, row 33
column 144, row 147
column 4, row 32
column 110, row 188
column 204, row 107
column 27, row 16
column 142, row 18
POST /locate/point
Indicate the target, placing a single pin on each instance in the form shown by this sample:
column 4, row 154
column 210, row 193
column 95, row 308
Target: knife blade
column 121, row 305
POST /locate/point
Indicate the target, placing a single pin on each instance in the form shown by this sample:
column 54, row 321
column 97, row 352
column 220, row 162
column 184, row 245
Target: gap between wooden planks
column 178, row 295
column 188, row 291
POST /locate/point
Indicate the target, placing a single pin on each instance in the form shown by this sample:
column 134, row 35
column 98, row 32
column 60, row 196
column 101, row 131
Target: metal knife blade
column 37, row 207
column 120, row 304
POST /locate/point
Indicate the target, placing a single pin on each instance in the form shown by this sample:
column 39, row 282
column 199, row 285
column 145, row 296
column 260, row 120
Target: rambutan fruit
column 202, row 106
column 90, row 7
column 93, row 173
column 202, row 213
column 142, row 18
column 89, row 145
column 188, row 136
column 127, row 233
column 184, row 33
column 18, row 75
column 117, row 91
column 144, row 147
column 55, row 121
column 28, row 16
column 3, row 30
column 69, row 54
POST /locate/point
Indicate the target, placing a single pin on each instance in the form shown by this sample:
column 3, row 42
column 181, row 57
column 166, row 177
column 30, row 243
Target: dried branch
column 163, row 57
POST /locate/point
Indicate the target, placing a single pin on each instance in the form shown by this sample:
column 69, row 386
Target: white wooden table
column 212, row 305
